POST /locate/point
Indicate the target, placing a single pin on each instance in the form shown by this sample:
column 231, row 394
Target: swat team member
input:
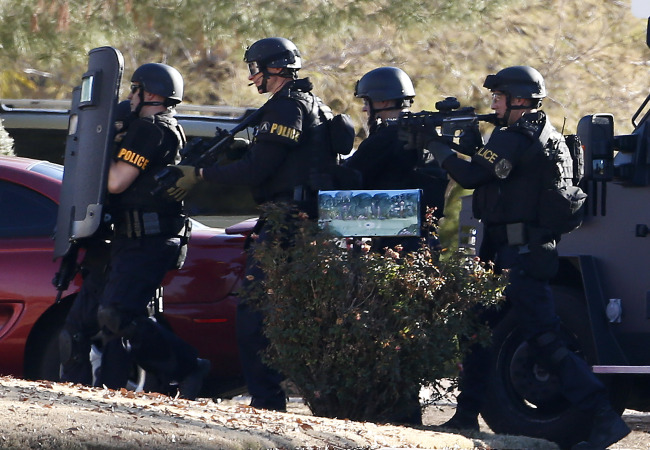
column 80, row 330
column 382, row 158
column 506, row 178
column 149, row 238
column 287, row 150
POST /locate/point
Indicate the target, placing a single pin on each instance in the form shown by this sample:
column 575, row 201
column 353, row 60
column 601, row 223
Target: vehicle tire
column 525, row 399
column 47, row 366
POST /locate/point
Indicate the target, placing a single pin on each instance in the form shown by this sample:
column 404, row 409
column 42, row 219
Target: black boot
column 277, row 402
column 462, row 420
column 191, row 385
column 608, row 428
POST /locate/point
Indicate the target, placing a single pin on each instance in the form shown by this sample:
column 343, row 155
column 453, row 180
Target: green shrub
column 356, row 331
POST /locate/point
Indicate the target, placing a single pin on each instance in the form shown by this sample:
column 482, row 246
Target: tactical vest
column 513, row 199
column 541, row 192
column 292, row 179
column 139, row 195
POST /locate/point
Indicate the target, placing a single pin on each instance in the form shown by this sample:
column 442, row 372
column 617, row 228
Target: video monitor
column 368, row 213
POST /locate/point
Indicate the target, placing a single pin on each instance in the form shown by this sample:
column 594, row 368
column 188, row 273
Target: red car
column 199, row 304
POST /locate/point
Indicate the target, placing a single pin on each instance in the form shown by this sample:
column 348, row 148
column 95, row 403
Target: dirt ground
column 45, row 415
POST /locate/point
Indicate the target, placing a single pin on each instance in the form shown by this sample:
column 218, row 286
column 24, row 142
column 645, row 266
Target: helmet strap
column 509, row 108
column 142, row 103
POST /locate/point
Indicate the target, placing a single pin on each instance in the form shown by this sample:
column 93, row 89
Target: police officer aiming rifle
column 508, row 181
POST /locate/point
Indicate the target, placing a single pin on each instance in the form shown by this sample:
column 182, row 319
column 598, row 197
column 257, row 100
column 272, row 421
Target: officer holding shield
column 150, row 234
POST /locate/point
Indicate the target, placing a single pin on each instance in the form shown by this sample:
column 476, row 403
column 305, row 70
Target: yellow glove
column 188, row 177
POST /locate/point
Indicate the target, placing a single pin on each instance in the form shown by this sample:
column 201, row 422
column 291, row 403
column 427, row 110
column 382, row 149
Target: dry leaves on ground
column 49, row 415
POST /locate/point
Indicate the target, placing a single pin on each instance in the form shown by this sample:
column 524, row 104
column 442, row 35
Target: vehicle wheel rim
column 536, row 390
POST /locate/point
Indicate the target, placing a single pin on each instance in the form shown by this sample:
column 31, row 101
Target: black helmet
column 162, row 80
column 385, row 83
column 274, row 52
column 518, row 82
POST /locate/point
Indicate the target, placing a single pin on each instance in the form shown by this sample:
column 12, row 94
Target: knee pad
column 110, row 318
column 549, row 348
column 72, row 347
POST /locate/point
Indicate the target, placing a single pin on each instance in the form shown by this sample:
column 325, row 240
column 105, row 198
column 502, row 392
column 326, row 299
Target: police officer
column 81, row 329
column 287, row 151
column 382, row 159
column 505, row 176
column 149, row 236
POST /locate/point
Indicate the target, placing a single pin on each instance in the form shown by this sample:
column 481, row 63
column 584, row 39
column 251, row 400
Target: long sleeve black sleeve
column 260, row 162
column 466, row 173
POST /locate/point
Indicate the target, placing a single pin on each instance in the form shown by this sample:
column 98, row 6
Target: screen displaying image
column 367, row 213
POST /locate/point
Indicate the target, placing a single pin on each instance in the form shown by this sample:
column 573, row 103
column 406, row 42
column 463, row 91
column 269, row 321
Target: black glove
column 470, row 141
column 417, row 139
column 439, row 149
column 188, row 178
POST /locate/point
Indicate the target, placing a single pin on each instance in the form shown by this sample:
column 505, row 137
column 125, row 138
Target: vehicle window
column 24, row 212
column 39, row 143
column 48, row 169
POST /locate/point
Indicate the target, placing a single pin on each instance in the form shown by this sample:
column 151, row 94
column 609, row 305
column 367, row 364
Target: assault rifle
column 449, row 122
column 200, row 152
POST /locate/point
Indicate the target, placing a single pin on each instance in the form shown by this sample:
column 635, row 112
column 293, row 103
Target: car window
column 48, row 169
column 24, row 212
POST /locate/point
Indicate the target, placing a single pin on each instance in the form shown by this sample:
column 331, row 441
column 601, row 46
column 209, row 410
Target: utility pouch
column 516, row 233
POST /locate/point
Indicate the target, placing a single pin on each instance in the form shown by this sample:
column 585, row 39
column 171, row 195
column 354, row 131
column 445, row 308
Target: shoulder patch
column 502, row 168
column 264, row 127
column 279, row 130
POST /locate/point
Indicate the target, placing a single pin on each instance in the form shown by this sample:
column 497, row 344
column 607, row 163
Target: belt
column 138, row 224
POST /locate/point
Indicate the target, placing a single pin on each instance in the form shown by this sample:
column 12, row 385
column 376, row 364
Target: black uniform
column 147, row 242
column 507, row 182
column 384, row 163
column 288, row 149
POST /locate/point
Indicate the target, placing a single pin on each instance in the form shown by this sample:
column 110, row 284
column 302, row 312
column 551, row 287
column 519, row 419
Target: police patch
column 264, row 127
column 502, row 168
column 285, row 132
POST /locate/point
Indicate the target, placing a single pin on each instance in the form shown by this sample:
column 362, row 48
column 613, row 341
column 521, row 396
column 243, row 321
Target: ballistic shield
column 89, row 147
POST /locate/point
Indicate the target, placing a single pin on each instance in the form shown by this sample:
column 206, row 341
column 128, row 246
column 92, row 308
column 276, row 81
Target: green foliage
column 356, row 330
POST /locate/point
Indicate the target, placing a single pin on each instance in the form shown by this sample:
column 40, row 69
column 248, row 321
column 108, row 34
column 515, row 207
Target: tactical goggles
column 135, row 88
column 254, row 68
